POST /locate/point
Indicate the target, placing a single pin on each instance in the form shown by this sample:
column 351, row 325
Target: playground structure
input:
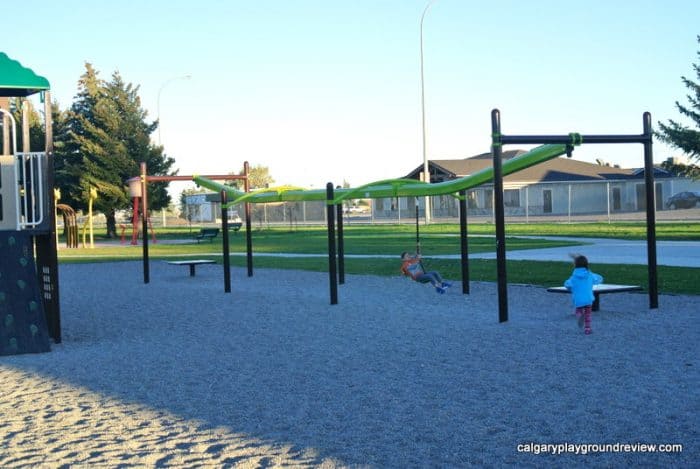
column 552, row 146
column 29, row 293
column 70, row 220
column 29, row 296
column 138, row 187
column 70, row 224
column 135, row 194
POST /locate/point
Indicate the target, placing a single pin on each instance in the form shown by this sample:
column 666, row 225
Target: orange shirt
column 412, row 268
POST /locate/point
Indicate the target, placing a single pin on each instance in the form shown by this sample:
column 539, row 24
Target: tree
column 680, row 169
column 105, row 139
column 258, row 178
column 678, row 135
column 36, row 126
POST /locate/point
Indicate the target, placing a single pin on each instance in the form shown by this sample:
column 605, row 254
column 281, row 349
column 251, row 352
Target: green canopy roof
column 16, row 80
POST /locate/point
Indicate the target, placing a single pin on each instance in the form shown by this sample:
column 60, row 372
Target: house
column 561, row 186
column 205, row 207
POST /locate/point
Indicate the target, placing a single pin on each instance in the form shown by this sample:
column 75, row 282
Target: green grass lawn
column 625, row 230
column 435, row 240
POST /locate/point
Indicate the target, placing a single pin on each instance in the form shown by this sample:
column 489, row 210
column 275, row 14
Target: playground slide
column 388, row 188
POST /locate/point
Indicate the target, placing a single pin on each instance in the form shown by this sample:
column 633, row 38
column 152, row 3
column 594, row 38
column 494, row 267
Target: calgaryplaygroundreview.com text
column 591, row 448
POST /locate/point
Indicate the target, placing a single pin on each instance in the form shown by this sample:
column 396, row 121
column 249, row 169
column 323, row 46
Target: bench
column 207, row 233
column 235, row 226
column 192, row 264
column 599, row 290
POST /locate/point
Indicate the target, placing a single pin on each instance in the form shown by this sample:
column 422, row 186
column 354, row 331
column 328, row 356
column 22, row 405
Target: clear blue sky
column 322, row 90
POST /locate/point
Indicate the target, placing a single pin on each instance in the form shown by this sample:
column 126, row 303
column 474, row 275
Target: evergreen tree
column 105, row 139
column 36, row 126
column 678, row 135
column 60, row 137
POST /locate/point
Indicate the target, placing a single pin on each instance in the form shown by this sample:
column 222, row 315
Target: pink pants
column 585, row 311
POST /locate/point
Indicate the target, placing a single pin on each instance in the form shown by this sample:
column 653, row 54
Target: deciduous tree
column 258, row 178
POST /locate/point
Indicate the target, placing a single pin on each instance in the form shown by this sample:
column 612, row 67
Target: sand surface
column 176, row 373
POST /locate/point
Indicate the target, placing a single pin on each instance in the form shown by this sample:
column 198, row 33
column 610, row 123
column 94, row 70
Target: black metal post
column 464, row 241
column 224, row 232
column 248, row 225
column 499, row 215
column 332, row 271
column 144, row 220
column 341, row 245
column 651, row 213
column 417, row 231
column 46, row 245
column 248, row 240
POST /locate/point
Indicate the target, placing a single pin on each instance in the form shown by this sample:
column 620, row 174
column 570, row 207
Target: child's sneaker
column 588, row 331
column 446, row 284
column 440, row 290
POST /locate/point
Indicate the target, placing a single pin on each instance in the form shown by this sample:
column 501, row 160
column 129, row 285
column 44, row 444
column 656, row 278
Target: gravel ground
column 178, row 373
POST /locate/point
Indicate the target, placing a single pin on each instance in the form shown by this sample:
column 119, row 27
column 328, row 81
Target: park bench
column 207, row 233
column 192, row 263
column 235, row 226
column 599, row 290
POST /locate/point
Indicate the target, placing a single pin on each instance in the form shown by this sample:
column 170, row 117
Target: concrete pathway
column 610, row 251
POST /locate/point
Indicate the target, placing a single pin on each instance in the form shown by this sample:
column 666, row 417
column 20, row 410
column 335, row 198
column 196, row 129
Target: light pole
column 426, row 170
column 166, row 83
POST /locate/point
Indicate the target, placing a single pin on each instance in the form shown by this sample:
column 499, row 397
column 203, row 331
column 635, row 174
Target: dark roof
column 16, row 80
column 561, row 169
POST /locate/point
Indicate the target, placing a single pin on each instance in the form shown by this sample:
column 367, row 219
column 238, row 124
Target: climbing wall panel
column 22, row 320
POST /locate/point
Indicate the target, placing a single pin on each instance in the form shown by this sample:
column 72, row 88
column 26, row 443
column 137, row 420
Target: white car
column 233, row 217
column 354, row 209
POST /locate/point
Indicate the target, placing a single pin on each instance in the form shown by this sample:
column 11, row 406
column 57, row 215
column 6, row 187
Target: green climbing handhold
column 11, row 241
column 13, row 344
column 9, row 319
column 33, row 329
column 33, row 306
column 21, row 284
column 23, row 261
column 2, row 296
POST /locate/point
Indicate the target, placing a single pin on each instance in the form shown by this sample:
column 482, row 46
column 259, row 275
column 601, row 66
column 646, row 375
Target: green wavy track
column 386, row 188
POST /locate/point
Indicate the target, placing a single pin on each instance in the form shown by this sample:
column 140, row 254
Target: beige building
column 561, row 186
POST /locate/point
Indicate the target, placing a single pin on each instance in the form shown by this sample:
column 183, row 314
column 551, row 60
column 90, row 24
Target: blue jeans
column 432, row 277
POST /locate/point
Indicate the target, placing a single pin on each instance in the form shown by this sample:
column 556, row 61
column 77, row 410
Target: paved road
column 611, row 251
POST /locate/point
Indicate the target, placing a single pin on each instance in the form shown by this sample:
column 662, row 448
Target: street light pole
column 426, row 169
column 166, row 83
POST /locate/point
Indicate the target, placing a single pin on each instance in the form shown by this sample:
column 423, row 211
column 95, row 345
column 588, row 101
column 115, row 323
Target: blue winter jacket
column 581, row 286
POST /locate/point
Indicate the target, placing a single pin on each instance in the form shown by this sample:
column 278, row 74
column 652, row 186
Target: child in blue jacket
column 581, row 286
